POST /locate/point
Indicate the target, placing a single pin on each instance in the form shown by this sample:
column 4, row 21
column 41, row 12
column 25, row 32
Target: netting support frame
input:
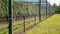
column 10, row 16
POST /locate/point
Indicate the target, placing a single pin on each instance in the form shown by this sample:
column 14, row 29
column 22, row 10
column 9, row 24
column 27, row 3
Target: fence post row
column 28, row 15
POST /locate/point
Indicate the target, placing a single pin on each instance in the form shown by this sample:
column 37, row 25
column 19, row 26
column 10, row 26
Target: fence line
column 24, row 10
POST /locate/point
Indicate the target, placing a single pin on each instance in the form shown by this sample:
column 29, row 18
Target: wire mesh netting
column 25, row 14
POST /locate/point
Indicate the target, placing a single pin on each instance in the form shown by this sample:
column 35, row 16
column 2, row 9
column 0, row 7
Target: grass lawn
column 49, row 26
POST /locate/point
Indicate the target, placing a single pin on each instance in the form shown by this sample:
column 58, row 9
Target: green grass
column 49, row 26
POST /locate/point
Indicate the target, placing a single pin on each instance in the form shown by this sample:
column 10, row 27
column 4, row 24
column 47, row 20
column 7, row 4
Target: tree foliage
column 56, row 8
column 18, row 8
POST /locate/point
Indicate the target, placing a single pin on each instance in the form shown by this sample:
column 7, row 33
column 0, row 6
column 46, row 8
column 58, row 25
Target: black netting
column 25, row 14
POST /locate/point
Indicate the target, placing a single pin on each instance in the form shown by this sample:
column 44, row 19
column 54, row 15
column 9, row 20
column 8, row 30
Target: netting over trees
column 21, row 15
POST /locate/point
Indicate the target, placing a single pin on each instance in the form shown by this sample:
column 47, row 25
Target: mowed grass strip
column 49, row 26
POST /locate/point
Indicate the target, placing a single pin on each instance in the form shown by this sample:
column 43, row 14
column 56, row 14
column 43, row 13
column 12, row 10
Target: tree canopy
column 56, row 8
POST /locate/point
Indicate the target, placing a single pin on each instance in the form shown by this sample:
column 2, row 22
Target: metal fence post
column 46, row 8
column 24, row 22
column 10, row 16
column 39, row 10
column 49, row 9
column 35, row 16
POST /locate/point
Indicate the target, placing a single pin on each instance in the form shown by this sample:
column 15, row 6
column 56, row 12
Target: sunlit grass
column 49, row 26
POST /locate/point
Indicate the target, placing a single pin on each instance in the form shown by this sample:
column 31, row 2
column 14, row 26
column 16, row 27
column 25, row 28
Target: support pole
column 10, row 16
column 39, row 10
column 24, row 22
column 35, row 16
column 46, row 8
column 49, row 9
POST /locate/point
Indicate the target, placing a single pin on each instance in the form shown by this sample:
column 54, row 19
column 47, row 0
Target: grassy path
column 49, row 26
